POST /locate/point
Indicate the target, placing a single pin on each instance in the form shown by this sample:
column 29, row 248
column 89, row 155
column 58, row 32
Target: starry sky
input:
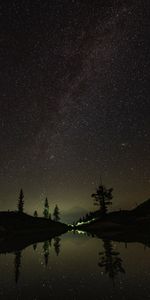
column 74, row 102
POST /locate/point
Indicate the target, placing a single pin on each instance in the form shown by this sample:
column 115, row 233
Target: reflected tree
column 57, row 241
column 17, row 264
column 110, row 260
column 46, row 252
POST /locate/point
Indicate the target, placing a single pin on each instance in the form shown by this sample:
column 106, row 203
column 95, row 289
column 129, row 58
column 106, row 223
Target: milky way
column 74, row 101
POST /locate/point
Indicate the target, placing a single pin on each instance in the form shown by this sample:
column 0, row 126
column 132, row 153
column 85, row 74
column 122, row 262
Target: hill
column 143, row 209
column 137, row 219
column 15, row 223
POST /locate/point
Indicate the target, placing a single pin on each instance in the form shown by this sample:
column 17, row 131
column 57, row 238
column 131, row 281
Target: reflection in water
column 46, row 246
column 110, row 260
column 17, row 263
column 76, row 270
column 57, row 245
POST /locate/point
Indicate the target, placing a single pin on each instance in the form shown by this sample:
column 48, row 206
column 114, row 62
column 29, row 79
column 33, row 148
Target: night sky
column 74, row 102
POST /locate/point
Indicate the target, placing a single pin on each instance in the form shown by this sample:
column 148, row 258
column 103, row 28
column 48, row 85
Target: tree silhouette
column 35, row 214
column 57, row 245
column 17, row 264
column 46, row 209
column 56, row 214
column 103, row 197
column 110, row 260
column 21, row 202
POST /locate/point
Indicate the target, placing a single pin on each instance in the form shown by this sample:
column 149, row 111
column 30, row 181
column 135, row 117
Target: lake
column 76, row 266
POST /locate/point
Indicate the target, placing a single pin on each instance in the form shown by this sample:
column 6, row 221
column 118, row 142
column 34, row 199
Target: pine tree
column 56, row 214
column 21, row 202
column 46, row 209
column 103, row 197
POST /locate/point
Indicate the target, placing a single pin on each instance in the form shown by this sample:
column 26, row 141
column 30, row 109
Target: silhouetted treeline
column 46, row 211
column 89, row 216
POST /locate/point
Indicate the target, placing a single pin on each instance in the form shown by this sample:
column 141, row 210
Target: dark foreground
column 19, row 230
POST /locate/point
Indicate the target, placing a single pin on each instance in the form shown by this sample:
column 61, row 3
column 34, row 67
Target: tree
column 46, row 209
column 103, row 197
column 21, row 202
column 35, row 214
column 56, row 214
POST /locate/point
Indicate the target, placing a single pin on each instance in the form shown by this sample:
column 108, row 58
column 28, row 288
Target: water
column 76, row 266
